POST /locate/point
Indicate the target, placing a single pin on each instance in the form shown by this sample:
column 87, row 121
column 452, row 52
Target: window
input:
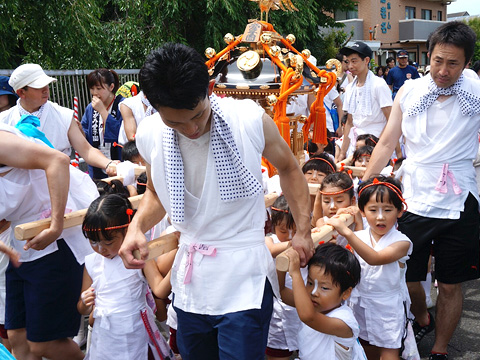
column 439, row 15
column 424, row 58
column 426, row 14
column 409, row 12
column 347, row 15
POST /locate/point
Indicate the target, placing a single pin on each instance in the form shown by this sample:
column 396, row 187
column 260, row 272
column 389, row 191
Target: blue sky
column 472, row 6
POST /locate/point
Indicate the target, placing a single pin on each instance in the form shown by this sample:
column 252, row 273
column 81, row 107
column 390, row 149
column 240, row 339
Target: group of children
column 331, row 307
column 324, row 309
column 343, row 297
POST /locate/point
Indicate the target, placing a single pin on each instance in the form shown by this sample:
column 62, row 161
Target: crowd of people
column 355, row 296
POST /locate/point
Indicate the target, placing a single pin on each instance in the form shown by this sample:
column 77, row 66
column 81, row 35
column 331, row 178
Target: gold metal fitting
column 307, row 53
column 291, row 38
column 293, row 59
column 275, row 51
column 210, row 52
column 228, row 38
column 266, row 38
column 272, row 100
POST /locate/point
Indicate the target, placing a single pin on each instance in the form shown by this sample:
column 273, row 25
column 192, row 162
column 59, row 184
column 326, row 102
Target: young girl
column 282, row 334
column 336, row 192
column 124, row 326
column 315, row 171
column 329, row 329
column 102, row 118
column 382, row 252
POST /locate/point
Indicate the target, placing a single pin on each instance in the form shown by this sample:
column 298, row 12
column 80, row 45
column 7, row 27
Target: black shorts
column 456, row 245
column 42, row 296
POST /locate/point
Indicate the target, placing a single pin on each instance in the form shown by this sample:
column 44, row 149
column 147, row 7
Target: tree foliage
column 89, row 34
column 474, row 23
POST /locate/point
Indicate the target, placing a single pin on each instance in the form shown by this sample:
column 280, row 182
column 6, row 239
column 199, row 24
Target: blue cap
column 6, row 89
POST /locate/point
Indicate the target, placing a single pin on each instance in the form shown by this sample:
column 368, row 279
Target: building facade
column 391, row 25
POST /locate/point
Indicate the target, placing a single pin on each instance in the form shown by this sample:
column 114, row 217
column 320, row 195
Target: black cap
column 358, row 47
column 402, row 53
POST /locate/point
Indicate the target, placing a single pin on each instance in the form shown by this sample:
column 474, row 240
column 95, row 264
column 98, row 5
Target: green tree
column 120, row 33
column 474, row 23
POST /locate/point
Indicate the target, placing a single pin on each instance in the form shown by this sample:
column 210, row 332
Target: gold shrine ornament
column 248, row 61
column 210, row 52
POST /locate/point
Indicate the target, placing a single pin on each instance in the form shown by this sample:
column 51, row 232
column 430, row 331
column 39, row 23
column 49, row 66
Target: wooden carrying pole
column 160, row 246
column 169, row 242
column 324, row 235
column 31, row 229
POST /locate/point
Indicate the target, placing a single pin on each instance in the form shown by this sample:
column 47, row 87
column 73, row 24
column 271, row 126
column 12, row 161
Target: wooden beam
column 324, row 235
column 31, row 229
column 138, row 169
column 270, row 199
column 160, row 246
column 356, row 171
column 313, row 188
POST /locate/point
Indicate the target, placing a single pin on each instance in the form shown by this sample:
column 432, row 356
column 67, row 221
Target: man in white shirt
column 31, row 84
column 203, row 157
column 439, row 116
column 367, row 99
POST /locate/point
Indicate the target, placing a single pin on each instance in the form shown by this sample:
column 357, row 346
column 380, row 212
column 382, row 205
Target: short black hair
column 141, row 183
column 321, row 162
column 381, row 191
column 364, row 150
column 370, row 140
column 339, row 263
column 454, row 33
column 174, row 76
column 111, row 187
column 106, row 211
column 283, row 213
column 130, row 151
column 341, row 180
column 390, row 59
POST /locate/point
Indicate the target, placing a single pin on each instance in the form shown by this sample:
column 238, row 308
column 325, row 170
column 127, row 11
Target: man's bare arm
column 150, row 212
column 129, row 123
column 20, row 153
column 388, row 140
column 294, row 187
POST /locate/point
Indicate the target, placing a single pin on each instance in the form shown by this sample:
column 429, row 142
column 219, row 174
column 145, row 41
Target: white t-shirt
column 380, row 96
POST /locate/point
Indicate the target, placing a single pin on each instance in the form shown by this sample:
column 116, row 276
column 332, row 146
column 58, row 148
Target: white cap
column 29, row 75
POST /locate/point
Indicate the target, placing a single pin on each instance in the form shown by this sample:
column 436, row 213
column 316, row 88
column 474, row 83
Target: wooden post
column 324, row 235
column 160, row 246
column 31, row 229
column 138, row 169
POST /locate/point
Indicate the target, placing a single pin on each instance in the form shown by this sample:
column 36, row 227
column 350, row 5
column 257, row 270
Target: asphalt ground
column 465, row 343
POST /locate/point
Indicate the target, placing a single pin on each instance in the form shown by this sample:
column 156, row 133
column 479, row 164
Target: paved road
column 465, row 344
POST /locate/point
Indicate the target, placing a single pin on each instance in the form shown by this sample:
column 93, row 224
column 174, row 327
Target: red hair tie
column 342, row 166
column 335, row 192
column 115, row 144
column 322, row 159
column 276, row 209
column 392, row 187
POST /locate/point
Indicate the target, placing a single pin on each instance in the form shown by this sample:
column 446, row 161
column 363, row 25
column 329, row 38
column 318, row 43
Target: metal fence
column 72, row 83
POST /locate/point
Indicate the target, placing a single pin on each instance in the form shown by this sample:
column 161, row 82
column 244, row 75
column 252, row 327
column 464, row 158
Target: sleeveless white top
column 234, row 279
column 24, row 197
column 54, row 122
